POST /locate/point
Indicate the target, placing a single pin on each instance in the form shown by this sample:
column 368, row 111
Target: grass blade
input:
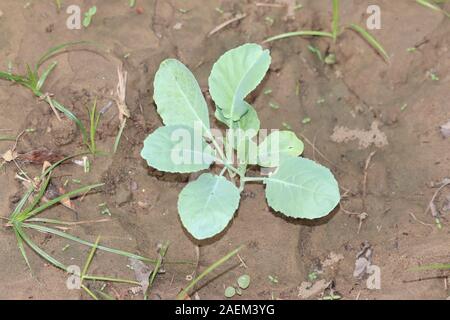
column 32, row 77
column 184, row 293
column 37, row 199
column 104, row 296
column 438, row 266
column 336, row 19
column 90, row 257
column 38, row 250
column 433, row 6
column 65, row 223
column 7, row 138
column 304, row 33
column 57, row 200
column 13, row 77
column 162, row 254
column 89, row 292
column 72, row 117
column 56, row 50
column 22, row 203
column 44, row 76
column 371, row 40
column 119, row 136
column 22, row 249
column 111, row 279
column 64, row 235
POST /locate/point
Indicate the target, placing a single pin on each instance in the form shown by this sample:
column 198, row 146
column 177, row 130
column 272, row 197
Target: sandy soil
column 354, row 93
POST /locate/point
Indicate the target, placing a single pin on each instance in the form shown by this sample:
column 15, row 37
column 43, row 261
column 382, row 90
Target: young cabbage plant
column 298, row 187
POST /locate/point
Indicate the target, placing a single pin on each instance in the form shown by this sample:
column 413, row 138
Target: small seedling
column 306, row 120
column 312, row 276
column 273, row 279
column 89, row 15
column 336, row 31
column 105, row 210
column 299, row 188
column 434, row 76
column 316, row 51
column 332, row 296
column 243, row 282
column 274, row 105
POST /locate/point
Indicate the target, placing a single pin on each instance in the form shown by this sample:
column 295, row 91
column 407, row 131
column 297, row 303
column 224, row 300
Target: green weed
column 336, row 31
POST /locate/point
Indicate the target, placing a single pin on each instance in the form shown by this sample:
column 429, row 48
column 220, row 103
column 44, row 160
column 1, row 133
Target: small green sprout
column 316, row 51
column 433, row 76
column 273, row 279
column 312, row 276
column 286, row 125
column 88, row 16
column 274, row 105
column 243, row 282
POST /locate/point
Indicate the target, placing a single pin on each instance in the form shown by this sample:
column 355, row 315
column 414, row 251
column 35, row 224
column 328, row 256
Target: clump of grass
column 24, row 218
column 35, row 81
column 336, row 31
